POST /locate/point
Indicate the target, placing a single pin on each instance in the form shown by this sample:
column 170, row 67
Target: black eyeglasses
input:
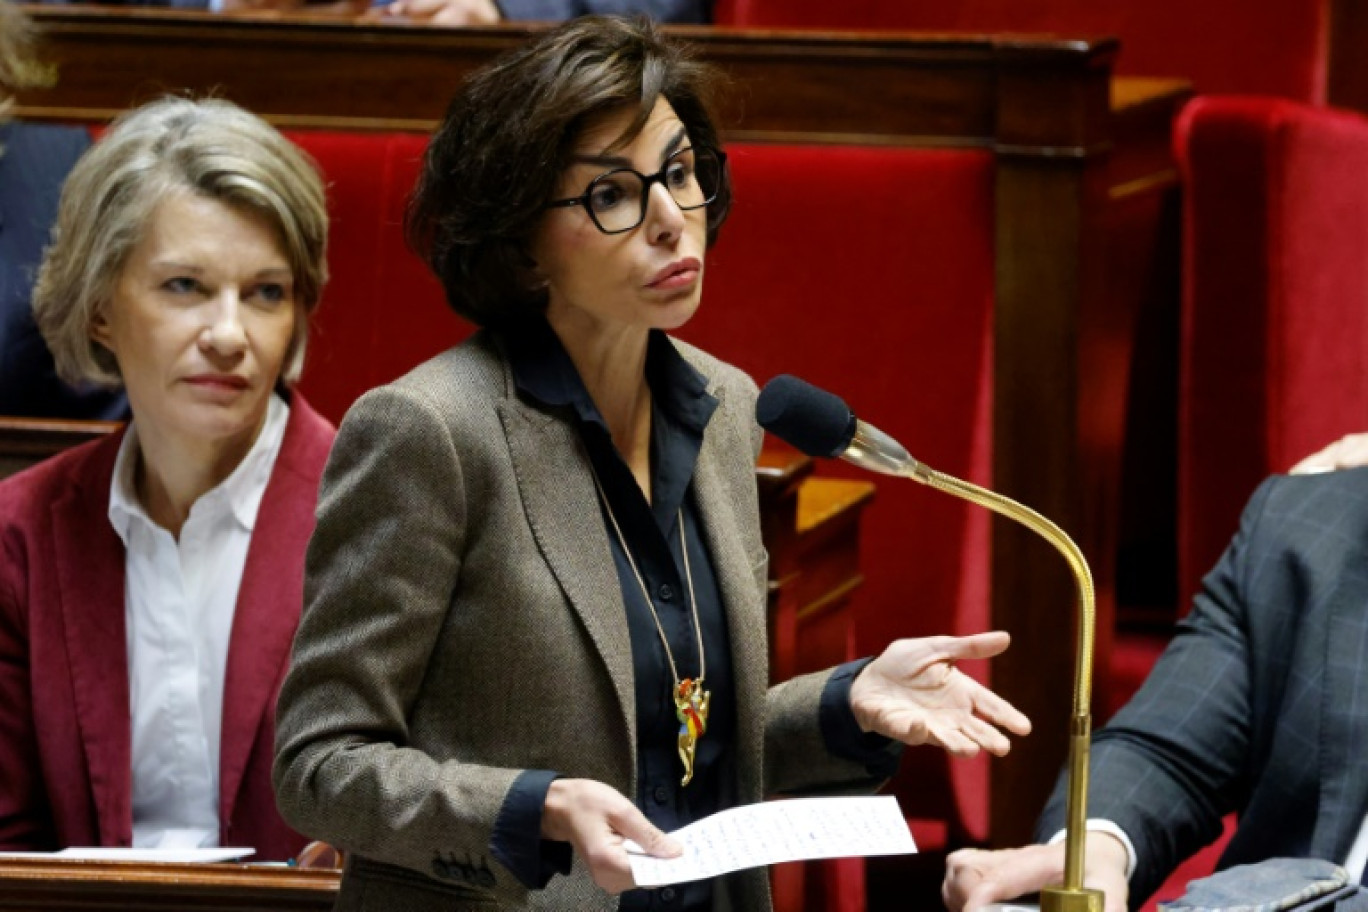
column 617, row 200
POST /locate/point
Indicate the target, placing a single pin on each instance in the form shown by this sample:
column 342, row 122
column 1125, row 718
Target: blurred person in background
column 34, row 160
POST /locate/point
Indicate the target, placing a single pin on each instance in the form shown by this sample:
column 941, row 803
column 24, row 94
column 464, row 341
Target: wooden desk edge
column 73, row 874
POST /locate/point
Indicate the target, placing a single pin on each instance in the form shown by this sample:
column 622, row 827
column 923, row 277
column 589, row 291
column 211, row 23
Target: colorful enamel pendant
column 691, row 708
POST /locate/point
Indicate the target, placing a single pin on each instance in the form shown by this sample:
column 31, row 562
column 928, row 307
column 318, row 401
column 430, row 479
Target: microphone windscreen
column 814, row 421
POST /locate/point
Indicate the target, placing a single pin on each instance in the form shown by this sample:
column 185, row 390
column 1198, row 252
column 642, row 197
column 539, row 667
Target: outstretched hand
column 913, row 693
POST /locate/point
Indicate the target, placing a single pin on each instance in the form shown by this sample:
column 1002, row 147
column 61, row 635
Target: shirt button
column 666, row 593
column 661, row 794
column 667, row 895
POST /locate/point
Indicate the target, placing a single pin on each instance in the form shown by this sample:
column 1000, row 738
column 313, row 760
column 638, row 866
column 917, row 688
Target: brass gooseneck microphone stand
column 868, row 448
column 1071, row 896
column 821, row 424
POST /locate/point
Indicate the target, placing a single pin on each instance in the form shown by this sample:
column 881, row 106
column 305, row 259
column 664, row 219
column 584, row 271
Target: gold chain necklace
column 690, row 699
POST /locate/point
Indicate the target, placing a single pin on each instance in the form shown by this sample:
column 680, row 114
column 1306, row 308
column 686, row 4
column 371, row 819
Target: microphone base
column 1062, row 899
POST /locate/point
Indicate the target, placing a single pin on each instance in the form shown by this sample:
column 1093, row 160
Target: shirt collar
column 543, row 371
column 238, row 495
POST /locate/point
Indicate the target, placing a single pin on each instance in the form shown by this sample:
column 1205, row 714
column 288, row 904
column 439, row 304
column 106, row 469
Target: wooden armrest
column 780, row 468
column 823, row 500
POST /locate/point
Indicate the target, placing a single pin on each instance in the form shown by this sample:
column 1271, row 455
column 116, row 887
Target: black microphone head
column 814, row 421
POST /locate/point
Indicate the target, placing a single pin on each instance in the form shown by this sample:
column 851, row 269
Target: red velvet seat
column 1275, row 302
column 382, row 312
column 870, row 272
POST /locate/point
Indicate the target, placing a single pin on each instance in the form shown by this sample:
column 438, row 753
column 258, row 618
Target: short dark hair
column 495, row 161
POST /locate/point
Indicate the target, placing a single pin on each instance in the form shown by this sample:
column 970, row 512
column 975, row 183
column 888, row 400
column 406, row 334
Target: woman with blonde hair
column 150, row 583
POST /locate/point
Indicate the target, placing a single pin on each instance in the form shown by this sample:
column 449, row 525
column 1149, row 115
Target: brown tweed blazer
column 463, row 622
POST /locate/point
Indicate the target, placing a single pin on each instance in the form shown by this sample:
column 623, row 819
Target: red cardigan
column 65, row 728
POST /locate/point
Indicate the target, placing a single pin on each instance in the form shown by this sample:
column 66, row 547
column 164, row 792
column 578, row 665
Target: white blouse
column 179, row 598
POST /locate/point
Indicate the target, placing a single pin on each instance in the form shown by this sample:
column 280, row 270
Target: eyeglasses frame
column 646, row 181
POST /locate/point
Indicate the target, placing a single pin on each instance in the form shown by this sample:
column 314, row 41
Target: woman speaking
column 535, row 610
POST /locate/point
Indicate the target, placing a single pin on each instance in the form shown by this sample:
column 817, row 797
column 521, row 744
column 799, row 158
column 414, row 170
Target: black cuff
column 842, row 733
column 517, row 842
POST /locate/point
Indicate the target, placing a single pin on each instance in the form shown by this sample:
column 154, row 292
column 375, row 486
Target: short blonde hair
column 209, row 147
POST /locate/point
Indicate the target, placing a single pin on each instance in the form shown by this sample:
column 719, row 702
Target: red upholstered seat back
column 382, row 312
column 869, row 272
column 1274, row 47
column 1275, row 301
column 866, row 270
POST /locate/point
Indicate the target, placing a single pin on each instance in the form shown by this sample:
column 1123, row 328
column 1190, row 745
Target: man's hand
column 595, row 819
column 446, row 12
column 1348, row 452
column 914, row 693
column 975, row 877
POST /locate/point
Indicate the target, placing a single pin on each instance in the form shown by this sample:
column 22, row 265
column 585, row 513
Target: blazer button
column 667, row 894
column 661, row 794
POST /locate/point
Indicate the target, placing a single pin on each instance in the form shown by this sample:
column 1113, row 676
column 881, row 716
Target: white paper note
column 195, row 856
column 775, row 831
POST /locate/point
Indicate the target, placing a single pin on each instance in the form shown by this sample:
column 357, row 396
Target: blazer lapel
column 1344, row 733
column 744, row 604
column 270, row 599
column 89, row 558
column 553, row 476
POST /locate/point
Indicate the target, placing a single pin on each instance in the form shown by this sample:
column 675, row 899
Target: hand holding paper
column 599, row 823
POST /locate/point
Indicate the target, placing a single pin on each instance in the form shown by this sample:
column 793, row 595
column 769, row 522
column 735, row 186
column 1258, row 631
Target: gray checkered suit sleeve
column 1255, row 707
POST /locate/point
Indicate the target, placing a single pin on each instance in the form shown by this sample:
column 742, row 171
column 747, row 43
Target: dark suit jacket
column 65, row 728
column 464, row 622
column 1260, row 703
column 35, row 162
